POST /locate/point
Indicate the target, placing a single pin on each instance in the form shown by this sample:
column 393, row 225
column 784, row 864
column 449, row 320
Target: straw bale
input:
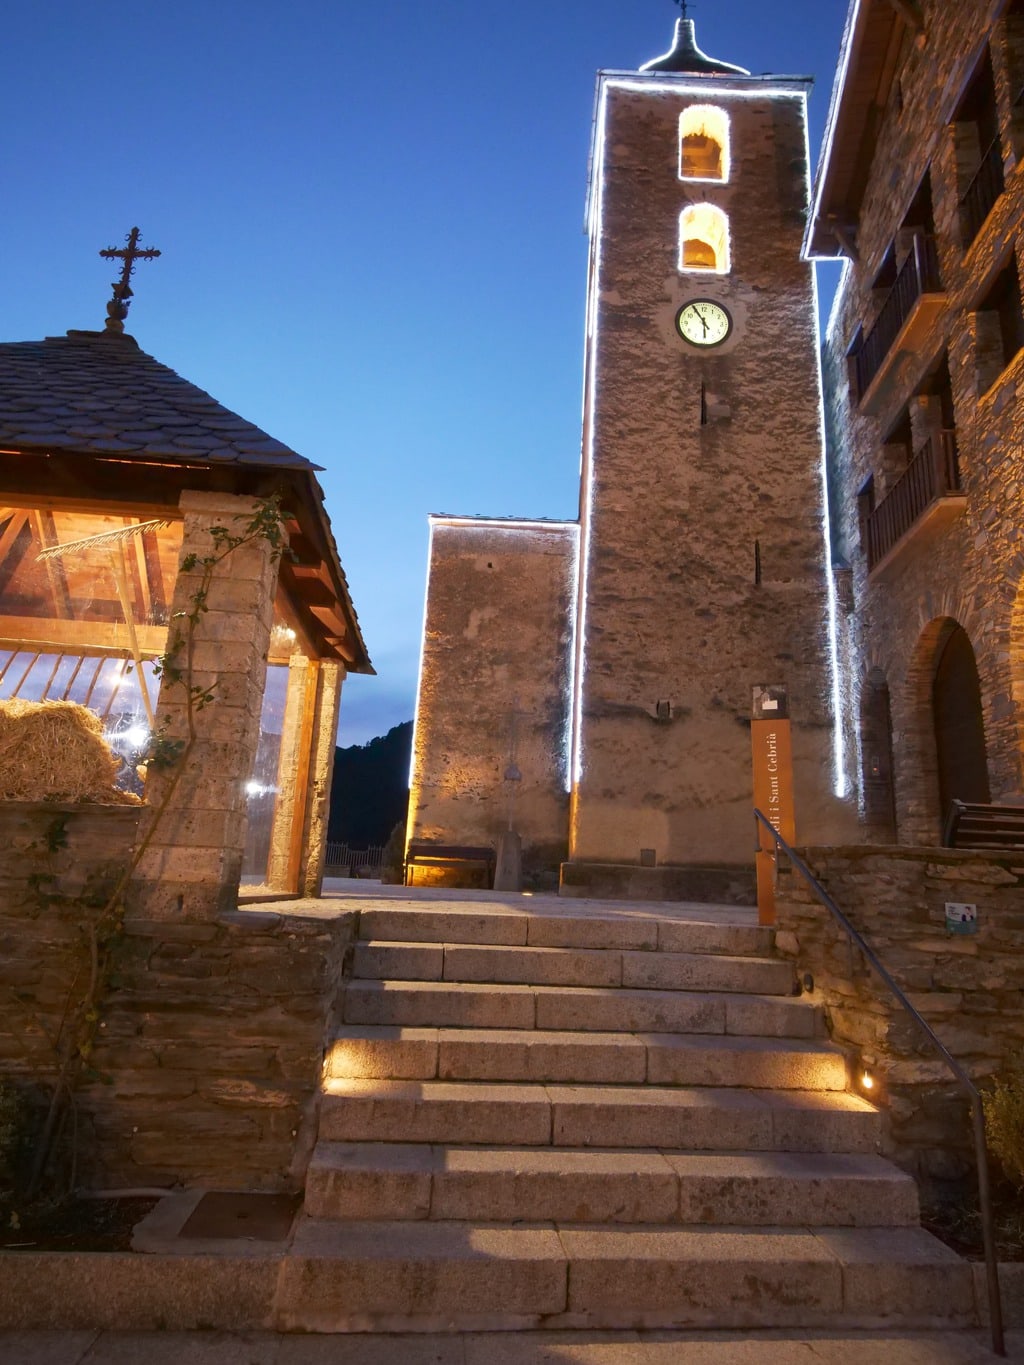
column 55, row 751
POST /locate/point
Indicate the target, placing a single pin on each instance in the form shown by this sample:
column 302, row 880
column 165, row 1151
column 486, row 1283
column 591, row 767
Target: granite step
column 409, row 1276
column 643, row 931
column 439, row 1004
column 406, row 1181
column 411, row 961
column 550, row 1055
column 624, row 1116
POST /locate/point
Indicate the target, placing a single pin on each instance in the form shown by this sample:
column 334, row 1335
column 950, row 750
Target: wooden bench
column 985, row 827
column 449, row 858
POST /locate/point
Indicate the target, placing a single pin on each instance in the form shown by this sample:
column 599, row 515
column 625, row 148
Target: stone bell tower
column 703, row 564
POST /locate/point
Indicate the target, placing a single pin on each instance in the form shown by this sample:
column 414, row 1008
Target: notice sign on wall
column 961, row 918
column 773, row 786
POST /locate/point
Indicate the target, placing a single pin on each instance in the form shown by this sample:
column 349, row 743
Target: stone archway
column 942, row 750
column 878, row 794
column 960, row 752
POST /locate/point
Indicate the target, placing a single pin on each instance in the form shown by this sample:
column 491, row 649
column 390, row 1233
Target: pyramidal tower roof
column 685, row 55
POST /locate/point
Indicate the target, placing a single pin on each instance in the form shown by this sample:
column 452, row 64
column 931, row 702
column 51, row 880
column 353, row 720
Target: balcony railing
column 933, row 473
column 919, row 274
column 982, row 192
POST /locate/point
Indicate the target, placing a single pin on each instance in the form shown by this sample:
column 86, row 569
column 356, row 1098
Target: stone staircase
column 567, row 1121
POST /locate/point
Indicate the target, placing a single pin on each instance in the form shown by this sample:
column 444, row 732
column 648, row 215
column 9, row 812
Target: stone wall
column 968, row 569
column 214, row 1043
column 498, row 636
column 211, row 1040
column 970, row 989
column 50, row 855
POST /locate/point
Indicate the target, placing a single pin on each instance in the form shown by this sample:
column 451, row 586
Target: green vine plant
column 80, row 1025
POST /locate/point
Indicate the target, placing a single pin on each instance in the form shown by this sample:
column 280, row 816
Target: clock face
column 702, row 322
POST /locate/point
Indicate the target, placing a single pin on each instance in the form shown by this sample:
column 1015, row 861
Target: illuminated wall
column 495, row 687
column 703, row 569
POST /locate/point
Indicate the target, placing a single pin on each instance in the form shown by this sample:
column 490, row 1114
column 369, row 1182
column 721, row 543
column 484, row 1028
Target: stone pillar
column 321, row 773
column 285, row 853
column 298, row 841
column 191, row 865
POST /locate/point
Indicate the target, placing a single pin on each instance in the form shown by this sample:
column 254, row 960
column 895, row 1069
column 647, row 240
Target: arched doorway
column 959, row 726
column 876, row 760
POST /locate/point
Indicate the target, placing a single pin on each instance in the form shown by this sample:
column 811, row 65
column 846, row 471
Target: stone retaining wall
column 209, row 1058
column 970, row 989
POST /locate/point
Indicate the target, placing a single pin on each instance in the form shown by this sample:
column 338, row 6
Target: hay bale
column 55, row 751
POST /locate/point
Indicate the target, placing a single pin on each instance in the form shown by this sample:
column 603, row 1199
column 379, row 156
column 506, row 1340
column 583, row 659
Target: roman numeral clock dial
column 704, row 323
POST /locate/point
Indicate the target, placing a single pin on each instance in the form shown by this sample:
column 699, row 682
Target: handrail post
column 853, row 935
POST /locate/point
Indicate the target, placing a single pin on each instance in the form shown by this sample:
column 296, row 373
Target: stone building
column 113, row 471
column 920, row 190
column 595, row 678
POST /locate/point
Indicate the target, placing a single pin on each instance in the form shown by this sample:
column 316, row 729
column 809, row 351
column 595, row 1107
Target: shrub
column 13, row 1120
column 393, row 868
column 1004, row 1122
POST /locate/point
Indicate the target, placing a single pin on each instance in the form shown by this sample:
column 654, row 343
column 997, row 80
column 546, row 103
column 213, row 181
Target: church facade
column 589, row 684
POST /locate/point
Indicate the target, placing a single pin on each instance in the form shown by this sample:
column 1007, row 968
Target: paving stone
column 702, row 972
column 534, row 966
column 371, row 1350
column 179, row 1348
column 756, row 1063
column 443, row 926
column 901, row 1273
column 599, row 1116
column 615, row 1011
column 702, row 1277
column 535, row 1055
column 564, row 931
column 773, row 1017
column 427, row 1003
column 408, row 1111
column 359, row 1181
column 340, row 1276
column 45, row 1348
column 546, row 1183
column 783, row 1189
column 399, row 961
column 735, row 940
column 805, row 1121
column 381, row 1053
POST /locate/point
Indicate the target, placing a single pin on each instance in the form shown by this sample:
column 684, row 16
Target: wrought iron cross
column 684, row 5
column 117, row 308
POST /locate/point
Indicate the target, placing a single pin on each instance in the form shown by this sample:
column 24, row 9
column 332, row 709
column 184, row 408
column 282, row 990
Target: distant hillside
column 371, row 788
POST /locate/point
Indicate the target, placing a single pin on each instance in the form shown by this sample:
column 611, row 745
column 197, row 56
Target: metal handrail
column 977, row 1110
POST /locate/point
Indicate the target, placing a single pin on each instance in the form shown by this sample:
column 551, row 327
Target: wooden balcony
column 926, row 496
column 908, row 311
column 982, row 193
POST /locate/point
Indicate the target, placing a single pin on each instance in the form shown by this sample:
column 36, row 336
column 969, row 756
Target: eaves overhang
column 868, row 63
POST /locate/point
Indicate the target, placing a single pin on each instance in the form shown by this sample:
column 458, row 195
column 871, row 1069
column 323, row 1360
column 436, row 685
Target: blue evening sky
column 371, row 218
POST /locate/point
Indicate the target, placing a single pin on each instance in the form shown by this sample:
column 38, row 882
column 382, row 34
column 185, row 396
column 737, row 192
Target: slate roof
column 100, row 394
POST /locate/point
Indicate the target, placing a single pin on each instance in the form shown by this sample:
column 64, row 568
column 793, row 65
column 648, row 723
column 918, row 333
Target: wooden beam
column 56, row 574
column 10, row 534
column 145, row 511
column 844, row 237
column 910, row 14
column 80, row 637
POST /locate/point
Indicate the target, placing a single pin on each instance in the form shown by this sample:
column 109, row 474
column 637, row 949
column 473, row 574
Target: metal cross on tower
column 684, row 5
column 117, row 308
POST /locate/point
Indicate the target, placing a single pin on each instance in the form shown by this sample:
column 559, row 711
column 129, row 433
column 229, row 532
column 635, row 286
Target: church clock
column 702, row 322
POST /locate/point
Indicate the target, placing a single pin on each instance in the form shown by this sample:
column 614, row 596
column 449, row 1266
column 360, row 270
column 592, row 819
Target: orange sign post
column 773, row 787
